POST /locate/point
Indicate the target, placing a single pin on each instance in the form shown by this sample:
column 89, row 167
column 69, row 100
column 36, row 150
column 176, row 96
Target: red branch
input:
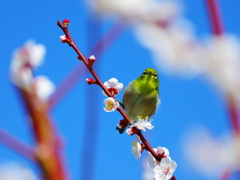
column 216, row 20
column 91, row 70
column 78, row 72
column 98, row 81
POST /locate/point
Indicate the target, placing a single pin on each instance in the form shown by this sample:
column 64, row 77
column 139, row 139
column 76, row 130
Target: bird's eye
column 144, row 73
column 155, row 76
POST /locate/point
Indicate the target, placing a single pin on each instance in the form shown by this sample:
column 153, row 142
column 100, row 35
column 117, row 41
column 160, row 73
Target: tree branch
column 98, row 81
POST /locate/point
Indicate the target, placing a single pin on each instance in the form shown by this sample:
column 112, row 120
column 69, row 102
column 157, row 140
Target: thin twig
column 91, row 70
column 78, row 72
column 215, row 16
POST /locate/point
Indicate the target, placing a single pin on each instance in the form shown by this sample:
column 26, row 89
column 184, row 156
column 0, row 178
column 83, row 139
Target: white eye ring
column 155, row 76
column 144, row 73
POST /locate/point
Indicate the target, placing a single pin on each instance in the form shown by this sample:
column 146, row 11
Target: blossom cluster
column 25, row 59
column 163, row 169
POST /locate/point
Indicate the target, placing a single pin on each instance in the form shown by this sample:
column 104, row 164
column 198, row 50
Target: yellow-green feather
column 141, row 96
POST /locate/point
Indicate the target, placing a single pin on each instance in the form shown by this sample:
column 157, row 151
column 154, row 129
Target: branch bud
column 66, row 22
column 64, row 39
column 90, row 81
column 91, row 60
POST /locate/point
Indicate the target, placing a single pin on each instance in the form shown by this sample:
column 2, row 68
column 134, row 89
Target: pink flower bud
column 64, row 39
column 90, row 81
column 132, row 131
column 66, row 22
column 122, row 124
column 91, row 60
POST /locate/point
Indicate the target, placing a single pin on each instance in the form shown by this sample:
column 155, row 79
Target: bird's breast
column 139, row 103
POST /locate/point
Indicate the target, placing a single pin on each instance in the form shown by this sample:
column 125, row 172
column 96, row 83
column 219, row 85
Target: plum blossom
column 161, row 151
column 137, row 147
column 165, row 169
column 24, row 60
column 43, row 87
column 140, row 123
column 113, row 86
column 111, row 104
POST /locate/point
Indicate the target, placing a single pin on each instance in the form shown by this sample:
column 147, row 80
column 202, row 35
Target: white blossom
column 142, row 125
column 161, row 151
column 111, row 104
column 137, row 148
column 165, row 169
column 113, row 86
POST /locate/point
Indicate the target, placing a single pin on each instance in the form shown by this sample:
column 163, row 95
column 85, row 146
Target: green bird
column 141, row 96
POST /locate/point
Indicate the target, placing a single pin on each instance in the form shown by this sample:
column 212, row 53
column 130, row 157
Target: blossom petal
column 111, row 104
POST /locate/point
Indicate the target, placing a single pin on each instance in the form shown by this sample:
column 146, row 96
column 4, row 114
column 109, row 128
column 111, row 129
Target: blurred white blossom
column 137, row 10
column 209, row 154
column 24, row 60
column 14, row 171
column 147, row 173
column 222, row 63
column 43, row 87
column 174, row 48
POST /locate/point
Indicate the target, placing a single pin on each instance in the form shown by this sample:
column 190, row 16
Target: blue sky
column 186, row 103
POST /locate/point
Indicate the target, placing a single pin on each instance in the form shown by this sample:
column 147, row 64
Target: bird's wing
column 130, row 97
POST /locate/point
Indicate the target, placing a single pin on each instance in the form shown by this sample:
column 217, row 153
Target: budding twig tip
column 91, row 60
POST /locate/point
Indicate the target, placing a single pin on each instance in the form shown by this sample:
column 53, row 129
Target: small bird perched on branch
column 141, row 96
